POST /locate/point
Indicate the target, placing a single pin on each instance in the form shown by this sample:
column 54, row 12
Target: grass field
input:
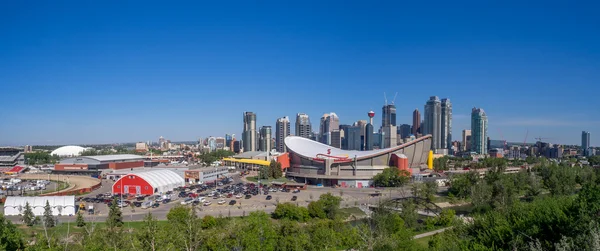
column 346, row 212
column 423, row 242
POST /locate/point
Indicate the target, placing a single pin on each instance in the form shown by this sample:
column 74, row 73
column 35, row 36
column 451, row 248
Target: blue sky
column 75, row 72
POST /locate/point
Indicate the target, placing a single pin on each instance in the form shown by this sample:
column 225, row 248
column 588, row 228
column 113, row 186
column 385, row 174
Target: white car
column 239, row 196
column 207, row 203
column 201, row 199
column 187, row 201
column 221, row 202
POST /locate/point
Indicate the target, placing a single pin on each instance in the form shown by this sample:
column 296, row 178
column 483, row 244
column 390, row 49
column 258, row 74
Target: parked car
column 294, row 198
column 187, row 201
column 155, row 205
column 248, row 196
column 232, row 202
column 221, row 202
column 269, row 197
column 207, row 203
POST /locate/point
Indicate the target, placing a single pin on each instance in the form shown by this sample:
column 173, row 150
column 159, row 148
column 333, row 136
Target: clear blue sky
column 75, row 72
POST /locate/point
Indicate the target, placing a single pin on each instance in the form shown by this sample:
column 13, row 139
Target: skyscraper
column 335, row 138
column 303, row 126
column 265, row 139
column 446, row 125
column 228, row 139
column 479, row 124
column 389, row 136
column 433, row 119
column 388, row 115
column 466, row 140
column 344, row 133
column 369, row 132
column 585, row 143
column 249, row 134
column 404, row 131
column 329, row 122
column 416, row 124
column 282, row 130
column 352, row 136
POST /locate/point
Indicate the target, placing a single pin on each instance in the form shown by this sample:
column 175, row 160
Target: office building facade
column 416, row 123
column 585, row 143
column 432, row 122
column 466, row 140
column 249, row 134
column 353, row 138
column 404, row 131
column 479, row 133
column 265, row 139
column 303, row 125
column 446, row 125
column 388, row 115
column 329, row 122
column 282, row 130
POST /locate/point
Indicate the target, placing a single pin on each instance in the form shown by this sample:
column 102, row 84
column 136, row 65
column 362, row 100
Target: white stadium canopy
column 60, row 205
column 68, row 151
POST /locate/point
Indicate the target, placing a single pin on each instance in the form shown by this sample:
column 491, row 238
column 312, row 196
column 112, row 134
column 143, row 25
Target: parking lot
column 243, row 205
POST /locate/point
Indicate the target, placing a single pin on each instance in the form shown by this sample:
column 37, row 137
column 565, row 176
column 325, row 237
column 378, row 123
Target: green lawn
column 346, row 212
column 255, row 179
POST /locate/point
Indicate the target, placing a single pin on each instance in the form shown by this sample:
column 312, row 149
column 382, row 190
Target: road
column 419, row 236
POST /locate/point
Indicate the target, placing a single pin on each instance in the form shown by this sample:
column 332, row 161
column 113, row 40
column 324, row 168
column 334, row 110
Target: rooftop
column 248, row 155
column 115, row 157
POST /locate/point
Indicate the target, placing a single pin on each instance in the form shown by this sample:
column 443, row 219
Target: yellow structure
column 430, row 160
column 248, row 164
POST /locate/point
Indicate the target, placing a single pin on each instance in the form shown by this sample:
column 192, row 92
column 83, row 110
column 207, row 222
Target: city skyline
column 75, row 77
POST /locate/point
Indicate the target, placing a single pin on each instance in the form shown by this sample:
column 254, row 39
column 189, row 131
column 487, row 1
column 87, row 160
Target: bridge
column 425, row 207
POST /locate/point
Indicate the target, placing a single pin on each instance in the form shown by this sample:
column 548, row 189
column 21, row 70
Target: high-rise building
column 236, row 146
column 329, row 122
column 282, row 130
column 466, row 140
column 433, row 119
column 479, row 126
column 446, row 125
column 265, row 139
column 335, row 138
column 585, row 143
column 228, row 139
column 390, row 136
column 249, row 135
column 404, row 131
column 344, row 135
column 369, row 137
column 303, row 126
column 416, row 124
column 388, row 115
column 352, row 136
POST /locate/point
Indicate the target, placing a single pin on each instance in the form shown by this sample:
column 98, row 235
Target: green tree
column 184, row 228
column 316, row 210
column 331, row 205
column 446, row 218
column 391, row 177
column 409, row 214
column 291, row 212
column 461, row 184
column 150, row 236
column 115, row 217
column 429, row 189
column 275, row 169
column 292, row 236
column 208, row 222
column 48, row 218
column 10, row 236
column 28, row 217
column 258, row 232
column 80, row 221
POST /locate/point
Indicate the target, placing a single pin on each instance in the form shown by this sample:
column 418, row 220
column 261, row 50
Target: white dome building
column 68, row 151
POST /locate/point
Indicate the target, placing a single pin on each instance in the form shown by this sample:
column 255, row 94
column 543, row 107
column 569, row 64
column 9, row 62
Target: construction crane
column 394, row 100
column 385, row 98
column 525, row 141
column 502, row 136
column 541, row 138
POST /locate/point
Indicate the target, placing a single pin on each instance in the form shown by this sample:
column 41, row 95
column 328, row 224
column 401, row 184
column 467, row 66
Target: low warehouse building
column 60, row 205
column 89, row 163
column 207, row 174
column 148, row 183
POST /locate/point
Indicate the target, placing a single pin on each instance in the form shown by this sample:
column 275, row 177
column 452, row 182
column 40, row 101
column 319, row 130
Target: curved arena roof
column 311, row 149
column 163, row 180
column 67, row 151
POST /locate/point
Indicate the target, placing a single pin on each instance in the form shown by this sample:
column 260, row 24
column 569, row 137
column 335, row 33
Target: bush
column 315, row 210
column 291, row 212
